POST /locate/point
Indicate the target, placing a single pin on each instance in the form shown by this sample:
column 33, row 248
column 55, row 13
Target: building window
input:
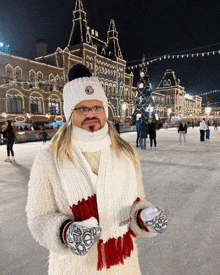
column 18, row 78
column 7, row 77
column 36, row 106
column 14, row 105
column 54, row 107
column 31, row 80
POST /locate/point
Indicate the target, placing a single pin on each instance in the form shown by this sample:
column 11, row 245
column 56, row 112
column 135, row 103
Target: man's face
column 92, row 121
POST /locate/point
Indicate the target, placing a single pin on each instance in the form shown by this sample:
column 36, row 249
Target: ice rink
column 184, row 179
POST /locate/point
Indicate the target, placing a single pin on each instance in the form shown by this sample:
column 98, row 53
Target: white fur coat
column 48, row 208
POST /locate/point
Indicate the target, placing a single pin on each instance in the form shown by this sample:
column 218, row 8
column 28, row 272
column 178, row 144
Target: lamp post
column 168, row 115
column 208, row 111
column 124, row 106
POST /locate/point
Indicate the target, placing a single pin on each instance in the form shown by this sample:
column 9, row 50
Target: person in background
column 9, row 139
column 182, row 130
column 44, row 135
column 207, row 132
column 203, row 127
column 138, row 123
column 152, row 133
column 143, row 134
column 86, row 199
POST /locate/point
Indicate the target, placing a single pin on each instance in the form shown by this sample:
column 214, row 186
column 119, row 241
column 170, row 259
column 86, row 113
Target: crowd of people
column 145, row 129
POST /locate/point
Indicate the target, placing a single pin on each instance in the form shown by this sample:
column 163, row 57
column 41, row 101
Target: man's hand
column 154, row 219
column 80, row 236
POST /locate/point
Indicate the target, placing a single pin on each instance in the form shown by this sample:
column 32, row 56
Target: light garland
column 210, row 92
column 25, row 80
column 173, row 56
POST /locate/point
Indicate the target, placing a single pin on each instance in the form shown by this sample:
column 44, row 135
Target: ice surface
column 183, row 179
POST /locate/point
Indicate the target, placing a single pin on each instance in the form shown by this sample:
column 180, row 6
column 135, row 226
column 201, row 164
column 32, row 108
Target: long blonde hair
column 61, row 143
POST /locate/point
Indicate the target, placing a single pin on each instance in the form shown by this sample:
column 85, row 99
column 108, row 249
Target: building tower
column 113, row 49
column 79, row 33
column 41, row 47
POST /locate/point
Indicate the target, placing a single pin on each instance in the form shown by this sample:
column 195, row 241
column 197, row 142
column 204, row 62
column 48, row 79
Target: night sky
column 150, row 27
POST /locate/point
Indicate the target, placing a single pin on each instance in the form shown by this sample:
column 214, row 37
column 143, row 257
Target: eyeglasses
column 83, row 111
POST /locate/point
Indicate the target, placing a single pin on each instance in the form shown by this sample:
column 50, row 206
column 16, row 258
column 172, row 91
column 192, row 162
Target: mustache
column 89, row 118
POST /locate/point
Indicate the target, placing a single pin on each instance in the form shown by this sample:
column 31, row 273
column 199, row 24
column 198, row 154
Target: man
column 152, row 133
column 182, row 130
column 138, row 124
column 203, row 127
column 86, row 200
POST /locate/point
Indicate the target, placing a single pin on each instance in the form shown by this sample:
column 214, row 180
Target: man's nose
column 90, row 113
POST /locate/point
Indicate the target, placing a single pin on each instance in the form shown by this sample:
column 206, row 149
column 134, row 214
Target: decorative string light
column 176, row 56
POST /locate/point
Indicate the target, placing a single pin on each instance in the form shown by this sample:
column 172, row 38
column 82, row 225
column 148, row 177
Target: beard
column 92, row 127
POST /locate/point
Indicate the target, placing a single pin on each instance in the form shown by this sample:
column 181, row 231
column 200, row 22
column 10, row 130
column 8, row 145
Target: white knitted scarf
column 115, row 185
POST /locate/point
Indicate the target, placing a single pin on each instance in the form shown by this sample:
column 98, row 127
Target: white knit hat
column 80, row 89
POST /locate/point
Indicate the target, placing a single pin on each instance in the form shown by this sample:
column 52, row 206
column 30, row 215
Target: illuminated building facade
column 33, row 88
column 173, row 100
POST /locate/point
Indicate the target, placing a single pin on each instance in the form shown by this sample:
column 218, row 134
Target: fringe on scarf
column 114, row 251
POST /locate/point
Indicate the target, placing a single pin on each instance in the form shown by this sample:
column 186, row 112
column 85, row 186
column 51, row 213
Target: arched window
column 54, row 105
column 32, row 76
column 18, row 75
column 14, row 102
column 51, row 81
column 8, row 74
column 39, row 78
column 36, row 103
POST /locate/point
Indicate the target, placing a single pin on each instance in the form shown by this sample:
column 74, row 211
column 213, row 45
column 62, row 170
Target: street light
column 208, row 110
column 123, row 109
column 4, row 114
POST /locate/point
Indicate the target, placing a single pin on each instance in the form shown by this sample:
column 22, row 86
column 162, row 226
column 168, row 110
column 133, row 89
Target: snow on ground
column 184, row 179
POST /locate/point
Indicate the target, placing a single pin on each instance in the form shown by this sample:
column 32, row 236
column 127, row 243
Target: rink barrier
column 124, row 129
column 28, row 136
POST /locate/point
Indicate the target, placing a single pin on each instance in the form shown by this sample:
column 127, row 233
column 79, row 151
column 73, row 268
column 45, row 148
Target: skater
column 216, row 126
column 152, row 133
column 86, row 199
column 182, row 130
column 203, row 127
column 9, row 139
column 138, row 123
column 207, row 133
column 44, row 135
column 143, row 134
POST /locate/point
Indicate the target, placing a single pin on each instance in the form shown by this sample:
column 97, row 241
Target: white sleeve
column 44, row 219
column 141, row 193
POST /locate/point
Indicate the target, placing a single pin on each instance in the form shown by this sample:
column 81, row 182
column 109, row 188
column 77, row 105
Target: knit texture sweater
column 69, row 191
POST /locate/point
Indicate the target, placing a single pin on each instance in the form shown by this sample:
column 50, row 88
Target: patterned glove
column 153, row 219
column 79, row 236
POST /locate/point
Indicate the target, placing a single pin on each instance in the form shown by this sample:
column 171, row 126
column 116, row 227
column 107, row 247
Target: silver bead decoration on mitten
column 154, row 219
column 80, row 239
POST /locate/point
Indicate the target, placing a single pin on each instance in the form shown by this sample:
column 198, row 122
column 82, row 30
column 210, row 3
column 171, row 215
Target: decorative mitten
column 153, row 219
column 79, row 236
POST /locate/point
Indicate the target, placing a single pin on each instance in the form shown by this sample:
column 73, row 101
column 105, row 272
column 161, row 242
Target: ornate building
column 33, row 88
column 173, row 100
